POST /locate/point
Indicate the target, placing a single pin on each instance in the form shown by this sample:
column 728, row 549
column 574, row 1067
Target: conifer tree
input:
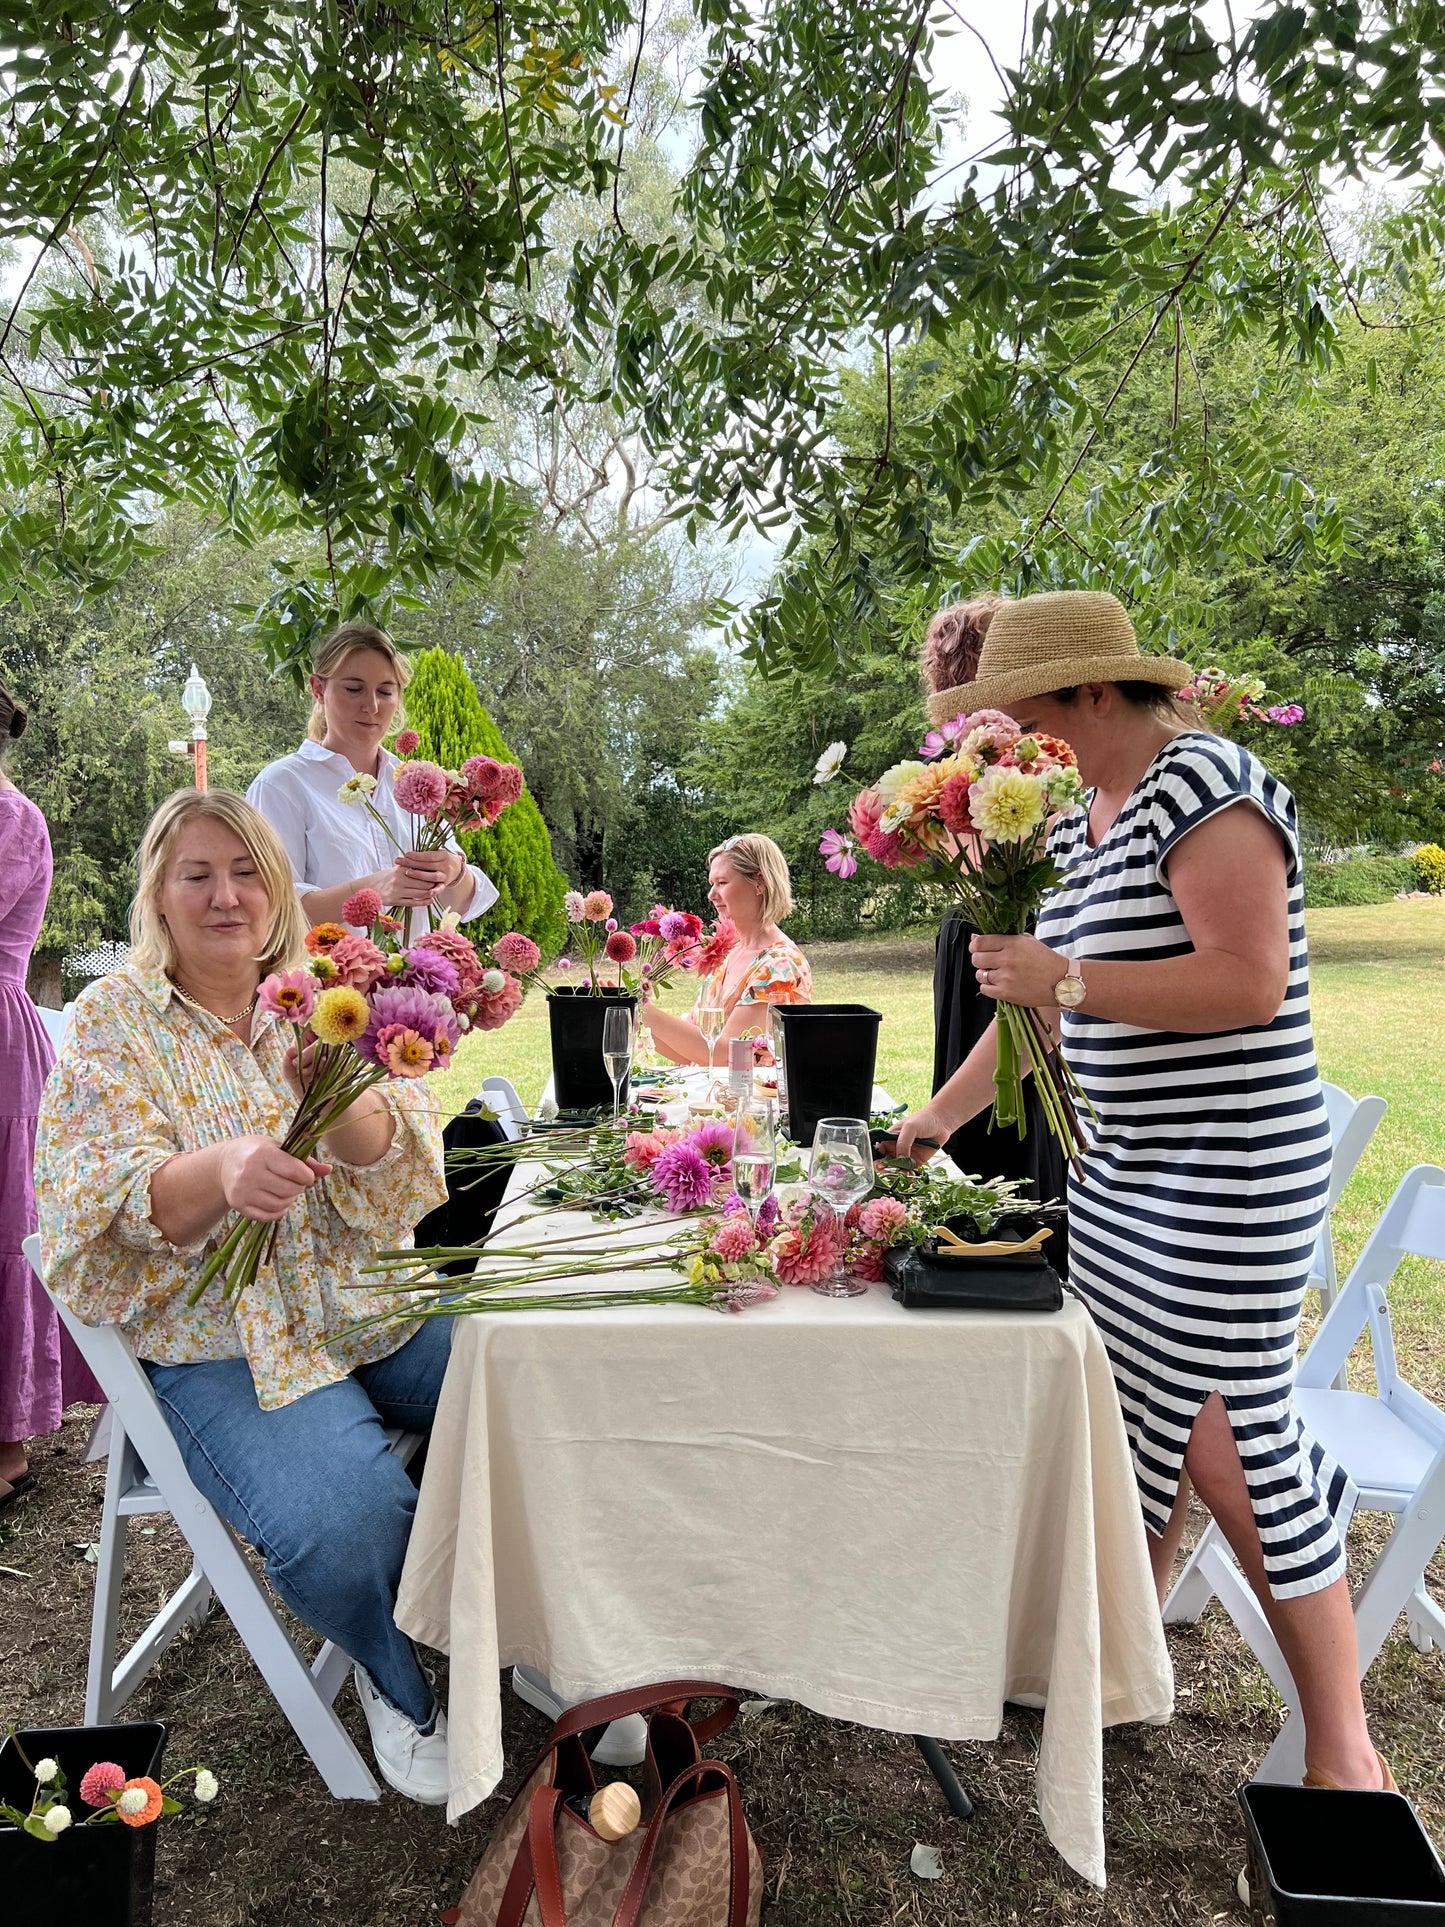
column 442, row 706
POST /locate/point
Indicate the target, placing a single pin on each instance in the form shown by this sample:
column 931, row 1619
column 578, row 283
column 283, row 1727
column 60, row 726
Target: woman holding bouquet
column 336, row 847
column 163, row 1118
column 1176, row 951
column 749, row 887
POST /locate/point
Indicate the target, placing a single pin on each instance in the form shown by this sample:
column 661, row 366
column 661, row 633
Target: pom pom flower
column 100, row 1782
column 407, row 744
column 362, row 909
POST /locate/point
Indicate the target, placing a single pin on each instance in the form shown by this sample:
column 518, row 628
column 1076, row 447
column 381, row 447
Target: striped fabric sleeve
column 1214, row 775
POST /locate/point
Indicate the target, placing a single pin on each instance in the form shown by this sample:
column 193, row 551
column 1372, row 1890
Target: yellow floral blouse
column 142, row 1076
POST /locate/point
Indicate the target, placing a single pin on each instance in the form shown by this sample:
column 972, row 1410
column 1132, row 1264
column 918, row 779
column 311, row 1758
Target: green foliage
column 283, row 258
column 1357, row 880
column 1429, row 861
column 442, row 707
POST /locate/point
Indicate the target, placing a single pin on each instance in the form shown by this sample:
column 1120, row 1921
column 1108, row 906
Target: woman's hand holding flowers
column 261, row 1181
column 1017, row 970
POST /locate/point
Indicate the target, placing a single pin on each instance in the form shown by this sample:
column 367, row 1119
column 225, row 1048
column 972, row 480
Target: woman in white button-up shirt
column 339, row 848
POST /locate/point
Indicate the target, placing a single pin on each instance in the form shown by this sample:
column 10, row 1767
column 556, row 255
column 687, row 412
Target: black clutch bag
column 962, row 1270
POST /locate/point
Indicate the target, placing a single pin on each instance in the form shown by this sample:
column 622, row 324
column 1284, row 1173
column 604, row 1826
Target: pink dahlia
column 430, row 970
column 714, row 1141
column 620, row 947
column 882, row 1218
column 953, row 810
column 408, row 743
column 482, row 776
column 409, row 1008
column 683, row 1177
column 100, row 1781
column 672, row 925
column 420, row 788
column 491, row 1009
column 865, row 1261
column 457, row 951
column 358, row 962
column 649, row 927
column 733, row 1240
column 362, row 909
column 516, row 953
column 510, row 784
column 597, row 906
column 806, row 1255
column 643, row 1148
column 714, row 952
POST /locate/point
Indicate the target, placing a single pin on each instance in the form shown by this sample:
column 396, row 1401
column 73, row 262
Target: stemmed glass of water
column 755, row 1153
column 840, row 1171
column 617, row 1050
column 712, row 1015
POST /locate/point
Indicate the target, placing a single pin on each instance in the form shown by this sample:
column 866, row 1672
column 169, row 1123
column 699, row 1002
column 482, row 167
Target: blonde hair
column 151, row 945
column 759, row 859
column 332, row 652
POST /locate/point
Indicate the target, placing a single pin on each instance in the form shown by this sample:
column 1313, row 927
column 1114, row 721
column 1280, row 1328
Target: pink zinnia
column 683, row 1177
column 406, row 1053
column 881, row 1218
column 290, row 994
column 420, row 788
column 407, row 742
column 100, row 1781
column 643, row 1148
column 806, row 1257
column 358, row 962
column 492, row 1009
column 482, row 776
column 362, row 909
column 516, row 953
column 733, row 1240
column 597, row 906
column 621, row 948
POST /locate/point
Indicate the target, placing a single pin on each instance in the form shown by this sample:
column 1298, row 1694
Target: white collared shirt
column 331, row 842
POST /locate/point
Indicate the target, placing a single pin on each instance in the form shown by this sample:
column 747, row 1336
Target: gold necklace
column 196, row 1004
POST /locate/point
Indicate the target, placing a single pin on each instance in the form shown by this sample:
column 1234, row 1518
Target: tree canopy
column 283, row 260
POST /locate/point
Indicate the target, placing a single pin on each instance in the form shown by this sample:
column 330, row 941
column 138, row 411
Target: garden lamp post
column 196, row 701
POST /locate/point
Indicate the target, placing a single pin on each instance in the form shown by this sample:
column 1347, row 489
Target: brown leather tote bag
column 692, row 1862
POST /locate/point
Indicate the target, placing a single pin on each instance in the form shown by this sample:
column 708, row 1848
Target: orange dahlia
column 324, row 935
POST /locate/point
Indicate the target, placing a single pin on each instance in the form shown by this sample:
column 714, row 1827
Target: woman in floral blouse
column 162, row 1119
column 749, row 885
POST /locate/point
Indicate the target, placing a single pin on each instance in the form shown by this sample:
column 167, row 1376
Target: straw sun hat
column 1046, row 642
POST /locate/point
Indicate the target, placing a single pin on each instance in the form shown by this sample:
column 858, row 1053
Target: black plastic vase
column 100, row 1875
column 829, row 1053
column 579, row 1077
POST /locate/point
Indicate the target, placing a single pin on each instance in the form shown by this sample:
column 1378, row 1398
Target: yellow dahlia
column 341, row 1015
column 1006, row 804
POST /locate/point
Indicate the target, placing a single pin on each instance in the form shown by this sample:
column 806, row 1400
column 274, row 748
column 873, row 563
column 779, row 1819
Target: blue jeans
column 312, row 1486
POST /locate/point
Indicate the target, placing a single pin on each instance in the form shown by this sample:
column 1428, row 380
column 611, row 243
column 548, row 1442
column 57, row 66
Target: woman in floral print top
column 162, row 1118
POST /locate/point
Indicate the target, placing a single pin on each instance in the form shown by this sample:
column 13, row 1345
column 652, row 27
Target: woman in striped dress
column 1177, row 949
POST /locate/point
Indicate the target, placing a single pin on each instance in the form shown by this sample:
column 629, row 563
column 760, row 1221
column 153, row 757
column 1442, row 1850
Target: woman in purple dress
column 41, row 1372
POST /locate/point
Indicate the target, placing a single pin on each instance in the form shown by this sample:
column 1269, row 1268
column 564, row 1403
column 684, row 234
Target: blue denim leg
column 312, row 1486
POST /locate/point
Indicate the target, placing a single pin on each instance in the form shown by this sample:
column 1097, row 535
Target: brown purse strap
column 520, row 1881
column 635, row 1892
column 673, row 1693
column 542, row 1847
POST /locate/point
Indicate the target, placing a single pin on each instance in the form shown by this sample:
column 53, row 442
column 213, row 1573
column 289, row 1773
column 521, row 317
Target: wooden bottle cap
column 615, row 1810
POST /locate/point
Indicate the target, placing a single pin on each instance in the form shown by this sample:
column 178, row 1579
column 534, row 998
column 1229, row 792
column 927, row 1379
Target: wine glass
column 840, row 1171
column 617, row 1051
column 712, row 1015
column 755, row 1153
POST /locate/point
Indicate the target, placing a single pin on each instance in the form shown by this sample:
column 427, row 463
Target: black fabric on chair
column 474, row 1192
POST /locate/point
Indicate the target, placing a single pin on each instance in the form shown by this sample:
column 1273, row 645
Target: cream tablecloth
column 899, row 1518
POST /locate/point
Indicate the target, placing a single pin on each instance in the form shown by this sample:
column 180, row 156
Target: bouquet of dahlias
column 663, row 942
column 443, row 804
column 370, row 1009
column 974, row 815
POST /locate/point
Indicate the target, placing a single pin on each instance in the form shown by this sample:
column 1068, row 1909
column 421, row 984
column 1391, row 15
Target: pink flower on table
column 290, row 994
column 100, row 1782
column 882, row 1218
column 358, row 962
column 642, row 1149
column 714, row 1141
column 802, row 1255
column 420, row 788
column 837, row 850
column 865, row 1261
column 363, row 908
column 733, row 1240
column 407, row 743
column 621, row 947
column 683, row 1177
column 597, row 906
column 516, row 953
column 741, row 1297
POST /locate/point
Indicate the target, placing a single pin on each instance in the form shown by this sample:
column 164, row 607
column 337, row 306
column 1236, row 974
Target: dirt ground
column 836, row 1809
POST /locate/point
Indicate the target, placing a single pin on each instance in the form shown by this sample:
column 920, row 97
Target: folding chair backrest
column 1353, row 1122
column 1412, row 1225
column 56, row 1022
column 501, row 1096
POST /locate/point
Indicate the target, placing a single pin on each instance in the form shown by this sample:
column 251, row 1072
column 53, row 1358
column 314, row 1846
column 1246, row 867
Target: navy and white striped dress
column 1191, row 1234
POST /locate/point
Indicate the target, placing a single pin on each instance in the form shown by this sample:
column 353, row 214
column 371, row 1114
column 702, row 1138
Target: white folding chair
column 146, row 1475
column 1353, row 1122
column 1392, row 1445
column 499, row 1094
column 56, row 1022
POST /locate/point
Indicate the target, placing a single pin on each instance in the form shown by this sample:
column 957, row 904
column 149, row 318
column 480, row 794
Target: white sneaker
column 413, row 1762
column 623, row 1744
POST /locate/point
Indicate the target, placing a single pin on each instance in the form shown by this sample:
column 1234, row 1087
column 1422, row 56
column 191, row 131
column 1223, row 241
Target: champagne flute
column 755, row 1153
column 617, row 1051
column 712, row 1015
column 840, row 1171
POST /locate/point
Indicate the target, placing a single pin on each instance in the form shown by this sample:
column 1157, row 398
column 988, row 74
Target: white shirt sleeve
column 283, row 804
column 484, row 891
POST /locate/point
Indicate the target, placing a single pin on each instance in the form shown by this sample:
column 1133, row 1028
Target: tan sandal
column 1318, row 1779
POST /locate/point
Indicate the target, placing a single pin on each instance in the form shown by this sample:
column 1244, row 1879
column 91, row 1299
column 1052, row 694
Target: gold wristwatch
column 1069, row 991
